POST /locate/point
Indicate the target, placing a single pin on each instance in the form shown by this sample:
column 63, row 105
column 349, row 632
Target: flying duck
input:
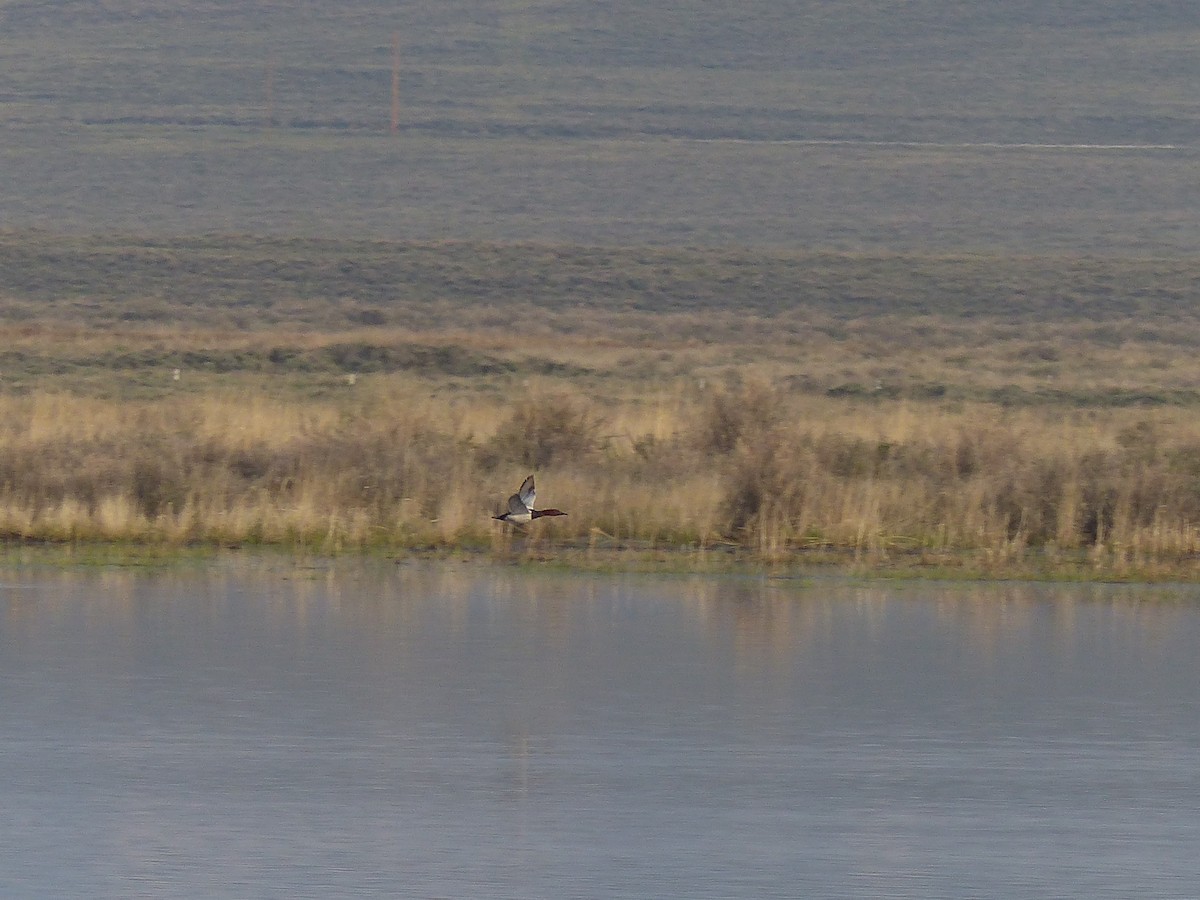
column 520, row 506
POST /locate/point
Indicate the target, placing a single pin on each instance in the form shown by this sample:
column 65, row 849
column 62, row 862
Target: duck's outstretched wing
column 516, row 507
column 526, row 494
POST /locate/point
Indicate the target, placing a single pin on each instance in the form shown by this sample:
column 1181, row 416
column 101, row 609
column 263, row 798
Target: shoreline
column 1079, row 568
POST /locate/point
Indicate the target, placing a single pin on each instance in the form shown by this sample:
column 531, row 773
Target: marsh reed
column 880, row 411
column 755, row 470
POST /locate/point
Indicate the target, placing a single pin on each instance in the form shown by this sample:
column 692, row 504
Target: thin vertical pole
column 269, row 90
column 395, row 81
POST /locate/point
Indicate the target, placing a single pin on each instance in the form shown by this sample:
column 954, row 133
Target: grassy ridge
column 777, row 407
column 1011, row 330
column 213, row 280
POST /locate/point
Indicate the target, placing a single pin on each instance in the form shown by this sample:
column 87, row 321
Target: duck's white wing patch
column 527, row 494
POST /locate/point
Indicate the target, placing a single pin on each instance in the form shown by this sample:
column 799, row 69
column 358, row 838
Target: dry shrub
column 747, row 414
column 157, row 485
column 545, row 430
column 768, row 486
column 1026, row 500
column 852, row 457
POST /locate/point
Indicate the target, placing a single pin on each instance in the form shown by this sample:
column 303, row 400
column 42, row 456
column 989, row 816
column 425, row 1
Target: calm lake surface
column 266, row 730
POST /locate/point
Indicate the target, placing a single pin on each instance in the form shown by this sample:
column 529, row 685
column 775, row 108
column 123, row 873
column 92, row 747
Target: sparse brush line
column 746, row 469
column 932, row 145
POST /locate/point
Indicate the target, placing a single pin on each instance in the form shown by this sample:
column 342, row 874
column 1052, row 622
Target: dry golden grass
column 774, row 475
column 778, row 432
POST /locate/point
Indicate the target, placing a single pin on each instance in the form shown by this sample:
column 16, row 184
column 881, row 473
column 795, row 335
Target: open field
column 1009, row 415
column 857, row 125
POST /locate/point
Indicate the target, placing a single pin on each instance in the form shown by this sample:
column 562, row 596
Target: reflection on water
column 261, row 729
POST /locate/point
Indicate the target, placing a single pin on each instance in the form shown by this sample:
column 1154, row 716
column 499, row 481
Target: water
column 457, row 731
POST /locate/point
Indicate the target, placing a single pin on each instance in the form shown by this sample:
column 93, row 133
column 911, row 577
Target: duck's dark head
column 538, row 513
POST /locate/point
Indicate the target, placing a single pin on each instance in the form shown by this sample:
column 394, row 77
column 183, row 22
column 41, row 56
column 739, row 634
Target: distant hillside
column 257, row 283
column 859, row 124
